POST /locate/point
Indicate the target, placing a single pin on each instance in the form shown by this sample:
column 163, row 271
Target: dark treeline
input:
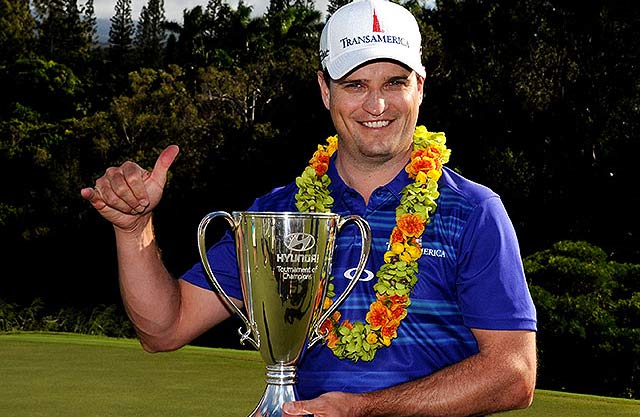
column 540, row 100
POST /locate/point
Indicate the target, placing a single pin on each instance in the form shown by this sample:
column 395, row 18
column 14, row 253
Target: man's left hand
column 331, row 404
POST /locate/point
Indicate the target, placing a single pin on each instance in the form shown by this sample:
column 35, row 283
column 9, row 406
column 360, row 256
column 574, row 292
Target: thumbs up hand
column 126, row 195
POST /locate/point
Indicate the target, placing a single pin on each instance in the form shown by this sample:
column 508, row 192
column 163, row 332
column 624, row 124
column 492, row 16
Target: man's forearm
column 150, row 294
column 493, row 380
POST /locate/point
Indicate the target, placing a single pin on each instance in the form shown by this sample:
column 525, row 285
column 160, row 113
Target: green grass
column 77, row 375
column 560, row 404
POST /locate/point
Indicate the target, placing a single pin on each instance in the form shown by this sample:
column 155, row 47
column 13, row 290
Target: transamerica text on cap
column 357, row 40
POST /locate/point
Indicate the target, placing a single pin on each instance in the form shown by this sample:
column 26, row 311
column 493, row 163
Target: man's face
column 374, row 109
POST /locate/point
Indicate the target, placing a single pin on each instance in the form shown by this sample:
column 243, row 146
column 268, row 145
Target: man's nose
column 374, row 103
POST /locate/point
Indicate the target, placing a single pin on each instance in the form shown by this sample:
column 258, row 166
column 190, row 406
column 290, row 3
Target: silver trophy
column 285, row 263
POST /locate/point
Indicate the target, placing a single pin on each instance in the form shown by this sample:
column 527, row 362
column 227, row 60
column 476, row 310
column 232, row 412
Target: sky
column 174, row 8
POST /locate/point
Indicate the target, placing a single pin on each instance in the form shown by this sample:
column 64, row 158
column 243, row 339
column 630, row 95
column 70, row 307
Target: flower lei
column 399, row 273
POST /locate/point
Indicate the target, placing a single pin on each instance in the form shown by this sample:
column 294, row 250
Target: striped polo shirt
column 470, row 276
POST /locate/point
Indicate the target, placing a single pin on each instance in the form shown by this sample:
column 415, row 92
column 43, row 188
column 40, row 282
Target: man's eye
column 353, row 85
column 397, row 83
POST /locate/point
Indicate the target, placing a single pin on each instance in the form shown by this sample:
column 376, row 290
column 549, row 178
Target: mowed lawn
column 77, row 375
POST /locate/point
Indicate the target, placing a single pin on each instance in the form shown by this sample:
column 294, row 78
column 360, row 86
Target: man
column 463, row 339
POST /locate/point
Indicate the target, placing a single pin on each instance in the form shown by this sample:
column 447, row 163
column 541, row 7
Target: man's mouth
column 376, row 124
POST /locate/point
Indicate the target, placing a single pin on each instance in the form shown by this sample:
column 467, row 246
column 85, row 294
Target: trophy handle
column 202, row 228
column 365, row 237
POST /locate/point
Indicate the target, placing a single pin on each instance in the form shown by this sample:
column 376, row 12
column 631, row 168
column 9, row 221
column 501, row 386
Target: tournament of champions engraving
column 296, row 272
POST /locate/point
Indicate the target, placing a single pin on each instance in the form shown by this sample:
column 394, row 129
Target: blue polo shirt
column 470, row 276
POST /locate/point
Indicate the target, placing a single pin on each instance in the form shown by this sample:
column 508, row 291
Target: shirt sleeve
column 223, row 262
column 222, row 255
column 491, row 284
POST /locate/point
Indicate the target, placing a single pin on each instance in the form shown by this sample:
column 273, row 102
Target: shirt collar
column 338, row 187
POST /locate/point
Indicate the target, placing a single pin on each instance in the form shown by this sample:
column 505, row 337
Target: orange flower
column 390, row 331
column 433, row 152
column 327, row 327
column 398, row 313
column 396, row 236
column 378, row 315
column 332, row 340
column 320, row 161
column 329, row 324
column 411, row 224
column 425, row 160
column 398, row 300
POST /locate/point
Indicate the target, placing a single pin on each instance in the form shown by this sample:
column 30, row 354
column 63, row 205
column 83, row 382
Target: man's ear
column 420, row 82
column 325, row 92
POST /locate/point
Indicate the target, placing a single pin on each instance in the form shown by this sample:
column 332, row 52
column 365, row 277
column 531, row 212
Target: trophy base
column 280, row 383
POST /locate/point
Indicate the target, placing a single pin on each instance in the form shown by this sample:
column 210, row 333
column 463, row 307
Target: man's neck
column 365, row 176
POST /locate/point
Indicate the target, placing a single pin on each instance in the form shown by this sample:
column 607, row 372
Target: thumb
column 295, row 408
column 163, row 163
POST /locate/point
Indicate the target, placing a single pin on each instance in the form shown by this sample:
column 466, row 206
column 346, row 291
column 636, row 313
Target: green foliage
column 65, row 31
column 314, row 196
column 26, row 81
column 16, row 30
column 103, row 320
column 589, row 319
column 150, row 33
column 121, row 31
column 554, row 82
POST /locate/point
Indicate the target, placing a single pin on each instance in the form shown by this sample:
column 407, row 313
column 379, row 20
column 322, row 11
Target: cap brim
column 342, row 65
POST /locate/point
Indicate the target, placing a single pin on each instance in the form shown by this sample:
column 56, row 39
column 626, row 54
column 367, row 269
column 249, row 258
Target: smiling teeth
column 376, row 124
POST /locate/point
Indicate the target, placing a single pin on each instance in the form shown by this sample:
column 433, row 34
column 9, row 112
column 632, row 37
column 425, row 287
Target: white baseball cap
column 365, row 30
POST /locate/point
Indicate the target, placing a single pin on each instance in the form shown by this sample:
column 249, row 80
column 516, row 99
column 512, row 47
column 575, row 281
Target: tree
column 292, row 23
column 553, row 82
column 232, row 38
column 16, row 30
column 89, row 21
column 150, row 34
column 188, row 49
column 122, row 31
column 120, row 53
column 589, row 319
column 334, row 5
column 63, row 34
column 25, row 82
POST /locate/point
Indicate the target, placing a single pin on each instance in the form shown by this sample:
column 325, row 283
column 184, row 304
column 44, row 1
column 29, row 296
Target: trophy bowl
column 284, row 260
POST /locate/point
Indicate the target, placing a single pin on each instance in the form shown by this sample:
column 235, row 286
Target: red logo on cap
column 376, row 24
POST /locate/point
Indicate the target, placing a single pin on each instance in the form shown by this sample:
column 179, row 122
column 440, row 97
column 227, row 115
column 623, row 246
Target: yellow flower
column 397, row 248
column 333, row 144
column 420, row 131
column 388, row 256
column 406, row 257
column 372, row 338
column 421, row 177
column 414, row 251
column 434, row 174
